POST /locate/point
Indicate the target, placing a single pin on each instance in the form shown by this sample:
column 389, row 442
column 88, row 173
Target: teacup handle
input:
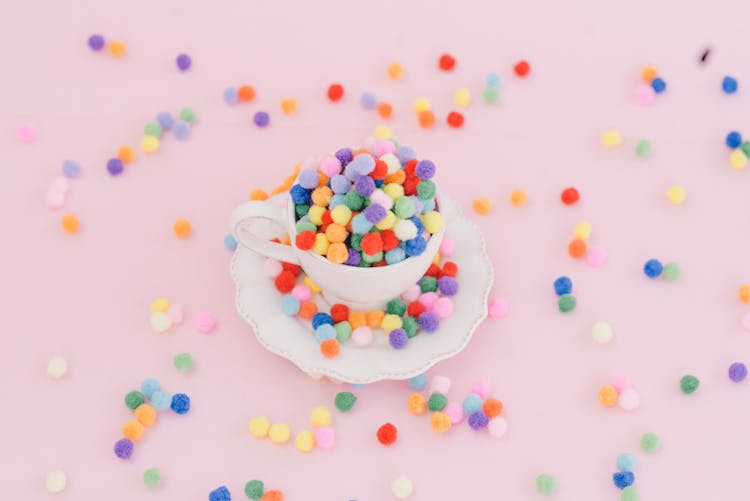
column 261, row 210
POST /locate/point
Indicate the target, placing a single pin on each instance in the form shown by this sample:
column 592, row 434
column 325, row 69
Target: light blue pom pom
column 149, row 386
column 161, row 400
column 325, row 331
column 360, row 224
column 418, row 382
column 290, row 305
column 394, row 256
column 472, row 404
column 230, row 242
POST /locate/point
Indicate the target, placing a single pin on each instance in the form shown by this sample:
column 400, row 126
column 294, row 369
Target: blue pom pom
column 472, row 404
column 418, row 382
column 626, row 461
column 729, row 85
column 149, row 386
column 623, row 479
column 165, row 119
column 428, row 205
column 336, row 200
column 734, row 139
column 230, row 242
column 340, row 184
column 394, row 256
column 299, row 194
column 360, row 224
column 161, row 400
column 180, row 403
column 493, row 80
column 368, row 100
column 418, row 223
column 321, row 318
column 415, row 247
column 563, row 285
column 653, row 268
column 659, row 85
column 71, row 168
column 181, row 130
column 308, row 179
column 220, row 494
column 230, row 95
column 404, row 154
column 324, row 331
column 289, row 305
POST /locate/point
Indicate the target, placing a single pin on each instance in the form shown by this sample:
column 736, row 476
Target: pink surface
column 86, row 297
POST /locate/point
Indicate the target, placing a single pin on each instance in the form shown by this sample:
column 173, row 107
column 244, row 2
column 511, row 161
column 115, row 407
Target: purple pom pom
column 404, row 154
column 364, row 185
column 261, row 119
column 428, row 322
column 425, row 169
column 184, row 62
column 96, row 42
column 448, row 286
column 308, row 178
column 375, row 213
column 363, row 164
column 478, row 420
column 398, row 338
column 124, row 448
column 115, row 166
column 737, row 372
column 344, row 155
column 354, row 258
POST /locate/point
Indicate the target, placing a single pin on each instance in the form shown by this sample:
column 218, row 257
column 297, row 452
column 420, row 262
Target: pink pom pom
column 482, row 387
column 301, row 292
column 440, row 384
column 384, row 146
column 455, row 411
column 272, row 267
column 59, row 184
column 621, row 382
column 325, row 437
column 411, row 294
column 498, row 427
column 644, row 95
column 330, row 166
column 443, row 307
column 595, row 256
column 362, row 336
column 447, row 246
column 205, row 323
column 428, row 300
column 26, row 133
column 55, row 199
column 497, row 307
column 176, row 312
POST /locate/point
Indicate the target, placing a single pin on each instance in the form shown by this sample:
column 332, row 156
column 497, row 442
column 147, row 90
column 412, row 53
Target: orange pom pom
column 245, row 93
column 70, row 223
column 577, row 248
column 744, row 293
column 273, row 495
column 416, row 404
column 385, row 110
column 335, row 233
column 126, row 154
column 330, row 348
column 607, row 395
column 482, row 206
column 116, row 48
column 133, row 430
column 307, row 310
column 440, row 422
column 145, row 414
column 426, row 119
column 375, row 318
column 397, row 177
column 258, row 194
column 518, row 198
column 337, row 252
column 492, row 407
column 357, row 319
column 182, row 228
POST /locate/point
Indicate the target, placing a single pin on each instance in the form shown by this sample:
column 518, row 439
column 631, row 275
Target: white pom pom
column 56, row 481
column 160, row 321
column 602, row 332
column 402, row 487
column 629, row 400
column 57, row 367
column 405, row 230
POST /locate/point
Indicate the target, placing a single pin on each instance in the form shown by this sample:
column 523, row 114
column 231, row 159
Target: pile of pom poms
column 740, row 150
column 652, row 85
column 653, row 269
column 578, row 247
column 619, row 392
column 323, row 436
column 566, row 301
column 478, row 409
column 254, row 489
column 624, row 477
column 145, row 404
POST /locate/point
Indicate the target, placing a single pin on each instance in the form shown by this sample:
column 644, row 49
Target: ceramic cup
column 359, row 288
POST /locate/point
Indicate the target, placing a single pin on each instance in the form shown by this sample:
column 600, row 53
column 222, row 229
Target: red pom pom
column 570, row 196
column 522, row 68
column 390, row 241
column 415, row 309
column 380, row 171
column 284, row 282
column 323, row 227
column 387, row 434
column 294, row 269
column 433, row 271
column 339, row 312
column 455, row 119
column 326, row 218
column 335, row 92
column 446, row 62
column 372, row 243
column 410, row 168
column 378, row 264
column 305, row 240
column 449, row 269
column 410, row 185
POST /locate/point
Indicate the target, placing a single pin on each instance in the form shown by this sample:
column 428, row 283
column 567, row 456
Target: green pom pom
column 254, row 489
column 396, row 307
column 356, row 241
column 643, row 148
column 152, row 477
column 437, row 402
column 343, row 331
column 425, row 189
column 745, row 147
column 411, row 325
column 404, row 207
column 152, row 129
column 354, row 200
column 428, row 284
column 364, row 264
column 545, row 483
column 566, row 303
column 491, row 94
column 187, row 114
column 301, row 210
column 672, row 271
column 372, row 259
column 649, row 442
column 689, row 383
column 305, row 226
column 629, row 494
column 134, row 399
column 183, row 362
column 345, row 400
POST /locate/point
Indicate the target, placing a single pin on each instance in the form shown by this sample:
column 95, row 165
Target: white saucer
column 259, row 303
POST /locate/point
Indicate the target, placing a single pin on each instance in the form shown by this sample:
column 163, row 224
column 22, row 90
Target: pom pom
column 623, row 479
column 472, row 404
column 440, row 422
column 145, row 414
column 375, row 213
column 149, row 386
column 621, row 382
column 629, row 400
column 279, row 433
column 402, row 487
column 492, row 407
column 308, row 179
column 737, row 372
column 372, row 244
column 626, row 461
column 689, row 383
column 418, row 382
column 56, row 481
column 364, row 186
column 601, row 332
column 330, row 348
column 455, row 412
column 478, row 420
column 325, row 437
column 259, row 426
column 447, row 246
column 324, row 332
column 254, row 489
column 415, row 246
column 398, row 338
column 124, row 448
column 497, row 427
column 320, row 319
column 653, row 268
column 134, row 399
column 362, row 336
column 428, row 322
column 440, row 384
column 284, row 282
column 387, row 434
column 649, row 442
column 437, row 402
column 180, row 403
column 607, row 395
column 481, row 387
column 448, row 286
column 161, row 400
column 220, row 494
column 497, row 307
column 545, row 483
column 345, row 401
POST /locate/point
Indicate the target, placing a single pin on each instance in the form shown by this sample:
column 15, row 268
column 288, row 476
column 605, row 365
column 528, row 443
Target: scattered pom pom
column 498, row 427
column 629, row 400
column 152, row 477
column 497, row 307
column 325, row 437
column 649, row 442
column 737, row 372
column 57, row 367
column 345, row 400
column 387, row 434
column 335, row 92
column 626, row 461
column 482, row 206
column 440, row 422
column 402, row 487
column 478, row 420
column 56, row 481
column 623, row 479
column 602, row 332
column 279, row 433
column 180, row 403
column 570, row 196
column 304, row 441
column 205, row 323
column 689, row 383
column 254, row 489
column 220, row 494
column 417, row 404
column 124, row 448
column 546, row 483
column 259, row 426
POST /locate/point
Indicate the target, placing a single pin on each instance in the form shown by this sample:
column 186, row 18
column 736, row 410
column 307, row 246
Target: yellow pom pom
column 160, row 304
column 312, row 285
column 320, row 416
column 393, row 190
column 676, row 195
column 436, row 259
column 582, row 231
column 322, row 196
column 321, row 244
column 433, row 222
column 518, row 198
column 341, row 214
column 388, row 222
column 382, row 132
column 462, row 97
column 440, row 422
column 315, row 213
column 133, row 430
column 288, row 105
column 391, row 322
column 416, row 404
column 149, row 144
column 611, row 139
column 738, row 159
column 259, row 426
column 279, row 433
column 305, row 441
column 395, row 71
column 420, row 104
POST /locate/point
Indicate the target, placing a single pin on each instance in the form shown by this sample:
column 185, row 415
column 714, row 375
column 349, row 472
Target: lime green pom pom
column 491, row 94
column 566, row 303
column 545, row 483
column 345, row 400
column 183, row 362
column 254, row 489
column 629, row 494
column 643, row 148
column 343, row 331
column 134, row 399
column 649, row 442
column 188, row 115
column 152, row 477
column 152, row 129
column 689, row 383
column 672, row 271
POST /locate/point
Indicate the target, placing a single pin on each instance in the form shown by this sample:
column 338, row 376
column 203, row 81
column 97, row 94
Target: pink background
column 86, row 297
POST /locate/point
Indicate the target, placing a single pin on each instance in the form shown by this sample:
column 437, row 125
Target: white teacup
column 359, row 288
